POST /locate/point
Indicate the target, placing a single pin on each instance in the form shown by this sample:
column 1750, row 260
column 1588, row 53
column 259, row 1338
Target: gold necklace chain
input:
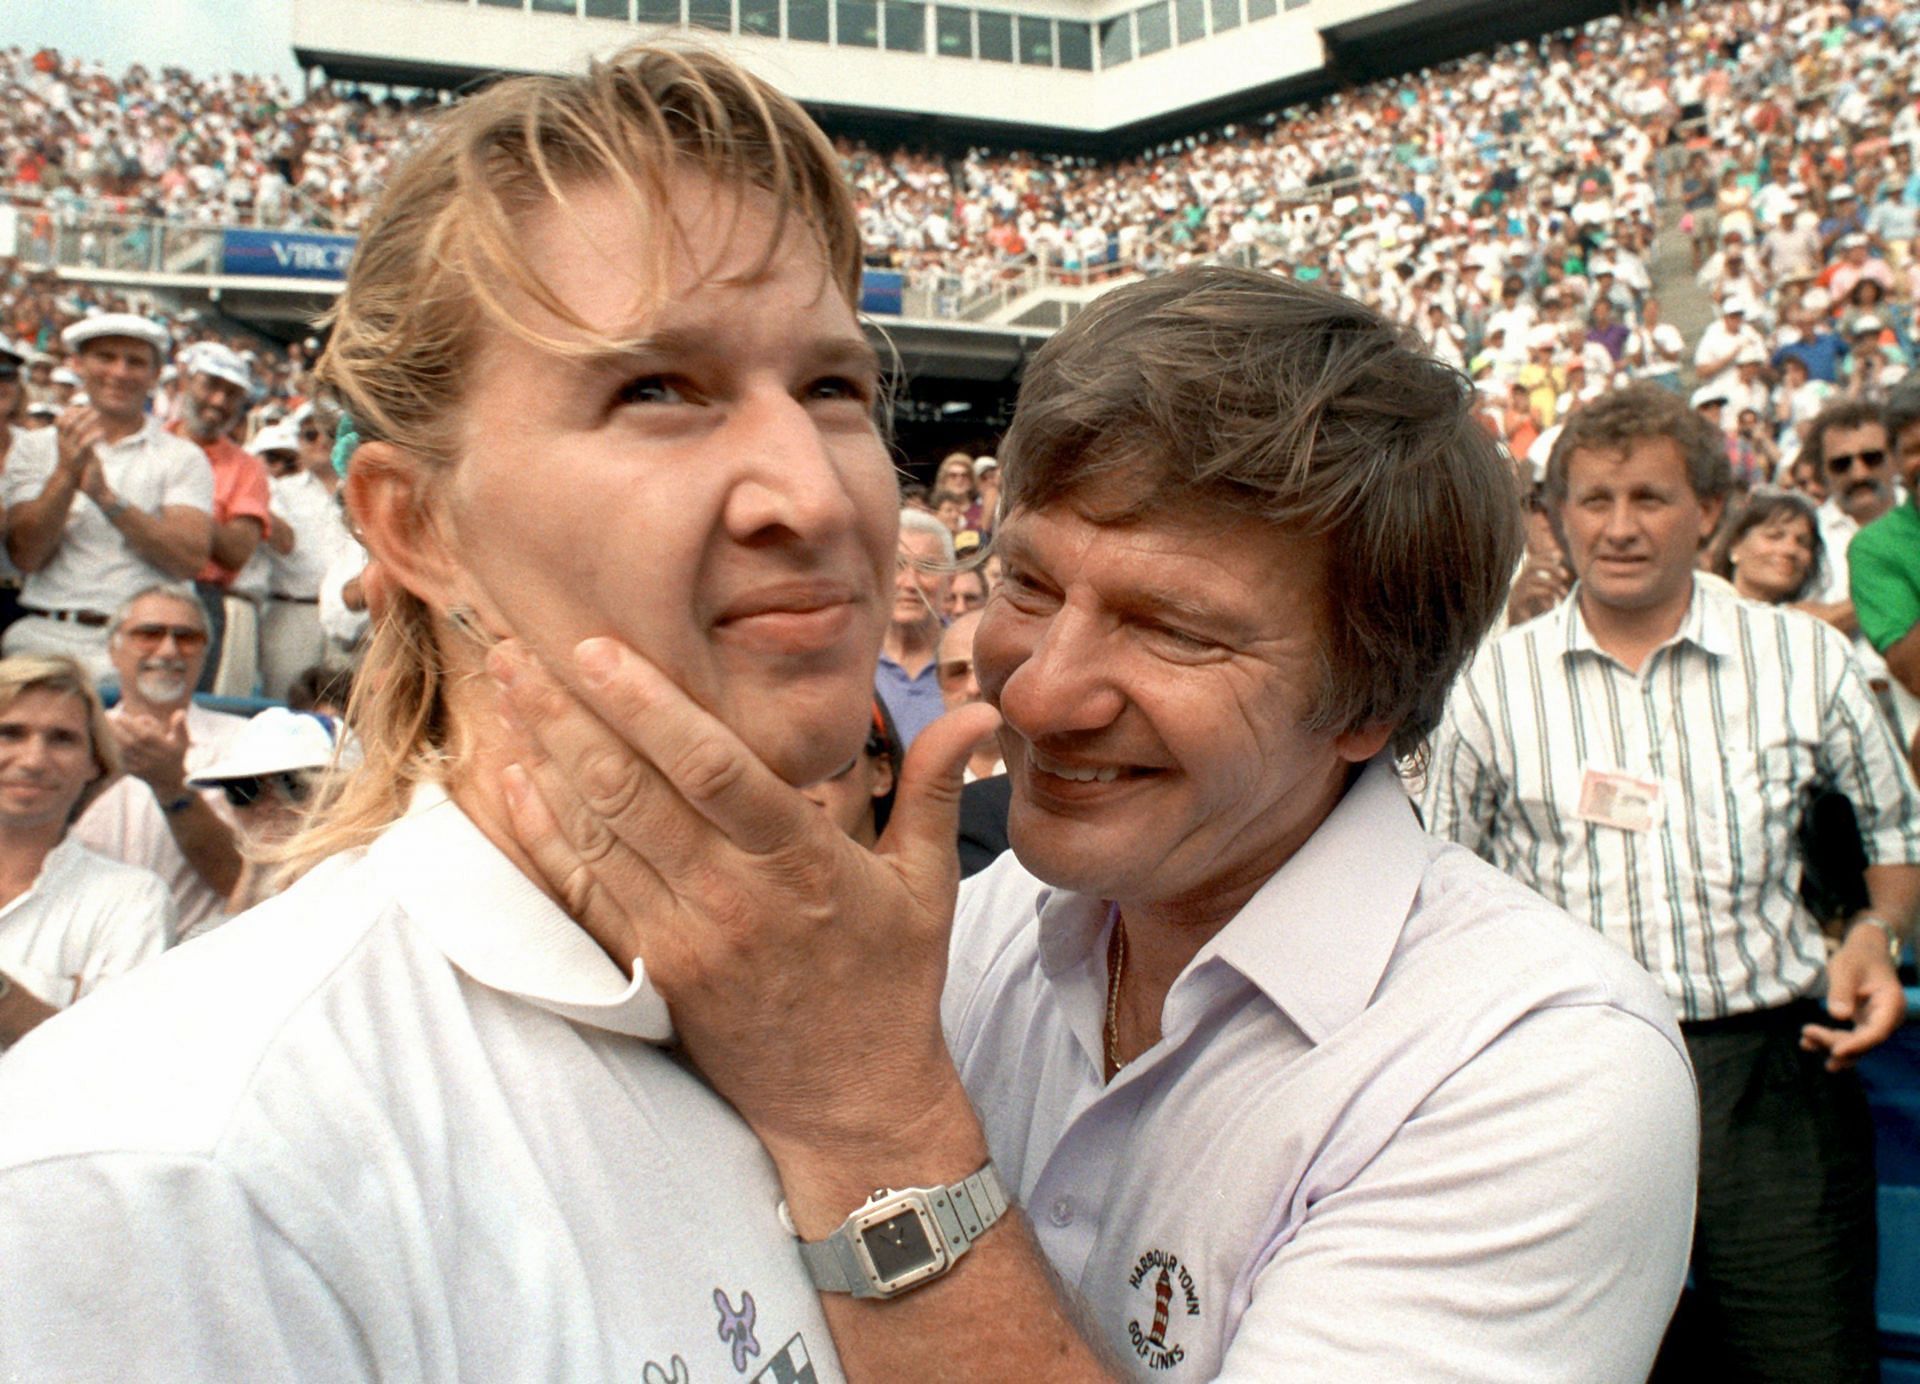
column 1116, row 967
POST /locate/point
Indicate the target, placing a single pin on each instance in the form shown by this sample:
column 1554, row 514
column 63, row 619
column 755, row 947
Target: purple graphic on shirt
column 736, row 1328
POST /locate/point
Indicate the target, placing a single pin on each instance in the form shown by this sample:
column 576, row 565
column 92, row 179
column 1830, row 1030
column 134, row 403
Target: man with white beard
column 150, row 817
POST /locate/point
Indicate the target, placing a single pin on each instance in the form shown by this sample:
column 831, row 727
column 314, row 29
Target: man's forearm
column 177, row 541
column 35, row 527
column 209, row 844
column 21, row 1011
column 234, row 542
column 1903, row 660
column 1894, row 894
column 996, row 1315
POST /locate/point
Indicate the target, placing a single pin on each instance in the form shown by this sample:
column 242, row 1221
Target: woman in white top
column 408, row 1120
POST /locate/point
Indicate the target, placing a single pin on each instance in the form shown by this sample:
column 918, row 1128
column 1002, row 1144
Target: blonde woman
column 408, row 1120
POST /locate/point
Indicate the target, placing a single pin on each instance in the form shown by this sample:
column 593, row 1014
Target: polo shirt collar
column 1317, row 936
column 58, row 868
column 497, row 926
column 1706, row 624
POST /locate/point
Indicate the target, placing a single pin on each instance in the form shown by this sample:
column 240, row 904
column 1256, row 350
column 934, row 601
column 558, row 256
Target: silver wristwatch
column 903, row 1237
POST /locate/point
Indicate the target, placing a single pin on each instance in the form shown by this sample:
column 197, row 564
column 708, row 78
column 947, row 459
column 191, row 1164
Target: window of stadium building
column 608, row 9
column 711, row 14
column 807, row 20
column 555, row 6
column 857, row 23
column 1155, row 33
column 906, row 26
column 760, row 17
column 1190, row 18
column 657, row 11
column 1226, row 15
column 996, row 36
column 1261, row 9
column 1075, row 45
column 1036, row 41
column 953, row 32
column 1116, row 41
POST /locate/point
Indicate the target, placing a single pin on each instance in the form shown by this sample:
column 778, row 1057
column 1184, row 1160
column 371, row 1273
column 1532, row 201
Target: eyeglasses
column 188, row 638
column 1843, row 463
column 245, row 792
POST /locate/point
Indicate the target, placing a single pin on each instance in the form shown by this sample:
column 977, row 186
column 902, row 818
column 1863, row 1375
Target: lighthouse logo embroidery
column 1170, row 1283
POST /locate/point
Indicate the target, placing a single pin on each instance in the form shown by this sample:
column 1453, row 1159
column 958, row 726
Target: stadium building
column 1092, row 79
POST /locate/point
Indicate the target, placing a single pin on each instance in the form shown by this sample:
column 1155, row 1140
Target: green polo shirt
column 1883, row 566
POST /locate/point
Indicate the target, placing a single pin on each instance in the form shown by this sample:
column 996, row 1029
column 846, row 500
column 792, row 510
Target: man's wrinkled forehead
column 163, row 610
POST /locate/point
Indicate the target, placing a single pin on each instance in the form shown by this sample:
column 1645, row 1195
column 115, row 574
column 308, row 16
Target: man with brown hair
column 1638, row 755
column 1287, row 1086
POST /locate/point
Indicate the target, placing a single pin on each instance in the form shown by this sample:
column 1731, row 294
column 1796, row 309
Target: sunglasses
column 245, row 792
column 8, row 373
column 148, row 637
column 1842, row 464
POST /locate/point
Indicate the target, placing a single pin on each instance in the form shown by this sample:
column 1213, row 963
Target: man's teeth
column 1106, row 774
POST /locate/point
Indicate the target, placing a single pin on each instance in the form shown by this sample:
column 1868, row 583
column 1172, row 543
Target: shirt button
column 1061, row 1212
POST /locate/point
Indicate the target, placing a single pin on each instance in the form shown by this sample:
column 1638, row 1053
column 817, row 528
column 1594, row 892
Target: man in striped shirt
column 1637, row 756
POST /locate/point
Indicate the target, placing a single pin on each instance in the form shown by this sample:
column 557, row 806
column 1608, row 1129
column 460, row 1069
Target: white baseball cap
column 279, row 741
column 276, row 437
column 221, row 362
column 128, row 324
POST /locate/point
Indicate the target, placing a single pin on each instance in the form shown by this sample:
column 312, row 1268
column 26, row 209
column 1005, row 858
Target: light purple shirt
column 1406, row 1121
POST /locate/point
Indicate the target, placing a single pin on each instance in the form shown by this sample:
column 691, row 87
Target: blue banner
column 286, row 254
column 880, row 291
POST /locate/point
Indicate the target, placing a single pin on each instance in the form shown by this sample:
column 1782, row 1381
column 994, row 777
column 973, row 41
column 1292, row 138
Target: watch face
column 898, row 1245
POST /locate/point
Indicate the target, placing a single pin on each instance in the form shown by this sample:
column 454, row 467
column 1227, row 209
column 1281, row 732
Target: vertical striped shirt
column 1732, row 716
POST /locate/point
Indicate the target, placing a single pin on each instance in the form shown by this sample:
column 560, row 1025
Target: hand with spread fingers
column 803, row 972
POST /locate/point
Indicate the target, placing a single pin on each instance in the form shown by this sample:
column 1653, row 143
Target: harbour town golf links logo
column 1174, row 1296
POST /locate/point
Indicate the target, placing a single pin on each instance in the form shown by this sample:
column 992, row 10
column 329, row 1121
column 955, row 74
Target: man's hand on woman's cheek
column 803, row 972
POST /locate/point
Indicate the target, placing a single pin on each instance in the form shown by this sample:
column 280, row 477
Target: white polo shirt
column 1406, row 1121
column 319, row 535
column 127, row 823
column 84, row 920
column 94, row 568
column 404, row 1121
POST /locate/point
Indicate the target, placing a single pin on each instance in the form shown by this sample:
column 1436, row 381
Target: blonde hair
column 443, row 257
column 24, row 673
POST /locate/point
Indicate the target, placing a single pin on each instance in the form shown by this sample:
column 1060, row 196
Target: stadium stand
column 1521, row 209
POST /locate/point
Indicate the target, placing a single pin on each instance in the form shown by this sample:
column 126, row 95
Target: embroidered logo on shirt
column 791, row 1366
column 736, row 1328
column 1174, row 1296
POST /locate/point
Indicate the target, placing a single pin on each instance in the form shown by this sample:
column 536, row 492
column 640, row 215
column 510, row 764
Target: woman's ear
column 389, row 495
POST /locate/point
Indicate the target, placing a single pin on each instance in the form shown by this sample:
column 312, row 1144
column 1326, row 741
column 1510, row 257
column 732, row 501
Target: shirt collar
column 57, row 867
column 1317, row 936
column 1705, row 625
column 496, row 925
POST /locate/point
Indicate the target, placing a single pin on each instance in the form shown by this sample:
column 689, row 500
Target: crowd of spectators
column 171, row 494
column 235, row 149
column 1505, row 206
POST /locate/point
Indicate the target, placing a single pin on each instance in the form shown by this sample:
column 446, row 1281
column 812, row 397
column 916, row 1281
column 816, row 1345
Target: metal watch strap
column 832, row 1264
column 964, row 1212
